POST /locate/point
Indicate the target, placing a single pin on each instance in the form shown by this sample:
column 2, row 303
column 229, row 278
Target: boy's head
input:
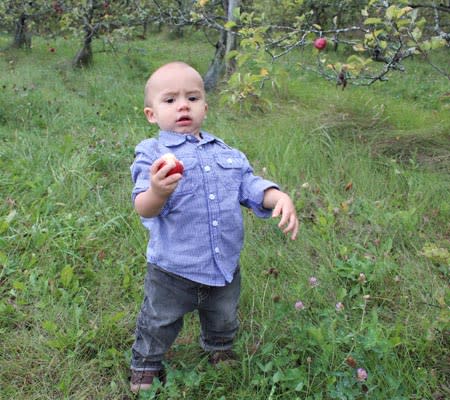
column 175, row 99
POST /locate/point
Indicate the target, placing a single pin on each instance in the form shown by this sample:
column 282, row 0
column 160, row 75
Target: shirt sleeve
column 252, row 190
column 145, row 155
column 140, row 169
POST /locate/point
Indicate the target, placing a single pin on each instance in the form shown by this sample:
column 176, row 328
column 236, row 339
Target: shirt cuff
column 256, row 203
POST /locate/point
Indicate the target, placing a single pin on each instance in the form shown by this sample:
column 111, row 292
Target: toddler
column 194, row 221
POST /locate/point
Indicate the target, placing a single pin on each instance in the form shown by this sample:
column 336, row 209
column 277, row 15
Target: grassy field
column 365, row 286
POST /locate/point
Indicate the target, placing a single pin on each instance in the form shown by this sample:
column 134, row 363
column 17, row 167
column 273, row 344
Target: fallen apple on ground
column 178, row 169
column 320, row 43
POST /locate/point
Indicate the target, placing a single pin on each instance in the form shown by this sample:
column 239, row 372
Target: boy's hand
column 282, row 205
column 163, row 185
column 150, row 203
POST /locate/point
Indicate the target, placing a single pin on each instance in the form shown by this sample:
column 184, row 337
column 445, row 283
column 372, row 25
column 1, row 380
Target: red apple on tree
column 320, row 43
column 169, row 157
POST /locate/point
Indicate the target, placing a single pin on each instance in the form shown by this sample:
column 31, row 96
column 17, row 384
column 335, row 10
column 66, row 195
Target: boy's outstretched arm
column 282, row 205
column 150, row 203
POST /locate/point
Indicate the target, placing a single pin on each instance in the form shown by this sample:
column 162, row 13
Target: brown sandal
column 143, row 380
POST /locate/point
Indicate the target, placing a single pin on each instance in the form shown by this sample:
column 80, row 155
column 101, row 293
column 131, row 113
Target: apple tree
column 90, row 19
column 224, row 19
column 22, row 18
column 375, row 43
column 85, row 19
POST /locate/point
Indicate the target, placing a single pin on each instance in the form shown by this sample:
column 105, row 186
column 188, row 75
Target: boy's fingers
column 283, row 221
column 295, row 229
column 289, row 225
column 288, row 222
column 155, row 166
column 161, row 171
column 292, row 226
column 276, row 211
column 172, row 178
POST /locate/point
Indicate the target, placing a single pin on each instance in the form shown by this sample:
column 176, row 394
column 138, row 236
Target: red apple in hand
column 178, row 169
column 320, row 43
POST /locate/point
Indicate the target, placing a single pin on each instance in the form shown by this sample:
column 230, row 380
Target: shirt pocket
column 229, row 170
column 187, row 183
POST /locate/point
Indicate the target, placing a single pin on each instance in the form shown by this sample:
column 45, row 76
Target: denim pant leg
column 167, row 299
column 218, row 314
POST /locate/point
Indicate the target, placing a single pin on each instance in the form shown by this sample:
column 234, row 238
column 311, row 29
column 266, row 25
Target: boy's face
column 176, row 99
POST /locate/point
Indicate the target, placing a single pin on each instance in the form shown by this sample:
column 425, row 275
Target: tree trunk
column 227, row 42
column 84, row 57
column 217, row 66
column 22, row 38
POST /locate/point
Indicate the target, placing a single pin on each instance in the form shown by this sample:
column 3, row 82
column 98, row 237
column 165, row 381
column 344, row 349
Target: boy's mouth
column 184, row 120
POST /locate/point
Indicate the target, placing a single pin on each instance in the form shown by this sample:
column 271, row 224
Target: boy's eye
column 193, row 98
column 170, row 100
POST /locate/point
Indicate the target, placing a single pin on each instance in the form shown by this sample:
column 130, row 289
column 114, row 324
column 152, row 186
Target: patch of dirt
column 428, row 153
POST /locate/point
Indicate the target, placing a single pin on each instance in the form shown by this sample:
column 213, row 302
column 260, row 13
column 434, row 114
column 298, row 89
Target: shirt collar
column 171, row 139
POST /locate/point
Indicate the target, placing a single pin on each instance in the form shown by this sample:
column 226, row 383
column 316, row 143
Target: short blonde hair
column 153, row 76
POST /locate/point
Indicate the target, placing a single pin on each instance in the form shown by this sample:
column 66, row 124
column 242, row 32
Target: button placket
column 213, row 205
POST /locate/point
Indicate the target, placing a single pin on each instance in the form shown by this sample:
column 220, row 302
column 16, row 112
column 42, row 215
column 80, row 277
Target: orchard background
column 357, row 131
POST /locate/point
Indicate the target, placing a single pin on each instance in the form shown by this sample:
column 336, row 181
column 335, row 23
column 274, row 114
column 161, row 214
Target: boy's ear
column 148, row 111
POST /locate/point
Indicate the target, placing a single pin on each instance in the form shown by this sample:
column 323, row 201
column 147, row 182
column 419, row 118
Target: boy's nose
column 183, row 105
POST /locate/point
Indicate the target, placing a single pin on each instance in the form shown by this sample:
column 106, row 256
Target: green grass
column 368, row 169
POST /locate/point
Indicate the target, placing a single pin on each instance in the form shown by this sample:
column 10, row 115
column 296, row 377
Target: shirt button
column 229, row 160
column 207, row 168
column 217, row 250
column 212, row 196
column 215, row 223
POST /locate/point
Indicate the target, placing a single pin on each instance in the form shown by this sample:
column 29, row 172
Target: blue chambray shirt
column 199, row 233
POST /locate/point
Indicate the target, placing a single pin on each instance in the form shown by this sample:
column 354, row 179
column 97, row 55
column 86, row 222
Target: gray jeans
column 167, row 298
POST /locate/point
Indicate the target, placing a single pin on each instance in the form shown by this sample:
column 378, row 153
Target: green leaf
column 405, row 10
column 3, row 226
column 341, row 293
column 277, row 377
column 359, row 47
column 425, row 46
column 117, row 317
column 11, row 216
column 5, row 223
column 416, row 33
column 437, row 42
column 50, row 326
column 373, row 21
column 232, row 54
column 237, row 12
column 392, row 12
column 66, row 276
column 18, row 285
column 395, row 341
column 317, row 334
column 3, row 258
column 230, row 25
column 355, row 59
column 266, row 367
